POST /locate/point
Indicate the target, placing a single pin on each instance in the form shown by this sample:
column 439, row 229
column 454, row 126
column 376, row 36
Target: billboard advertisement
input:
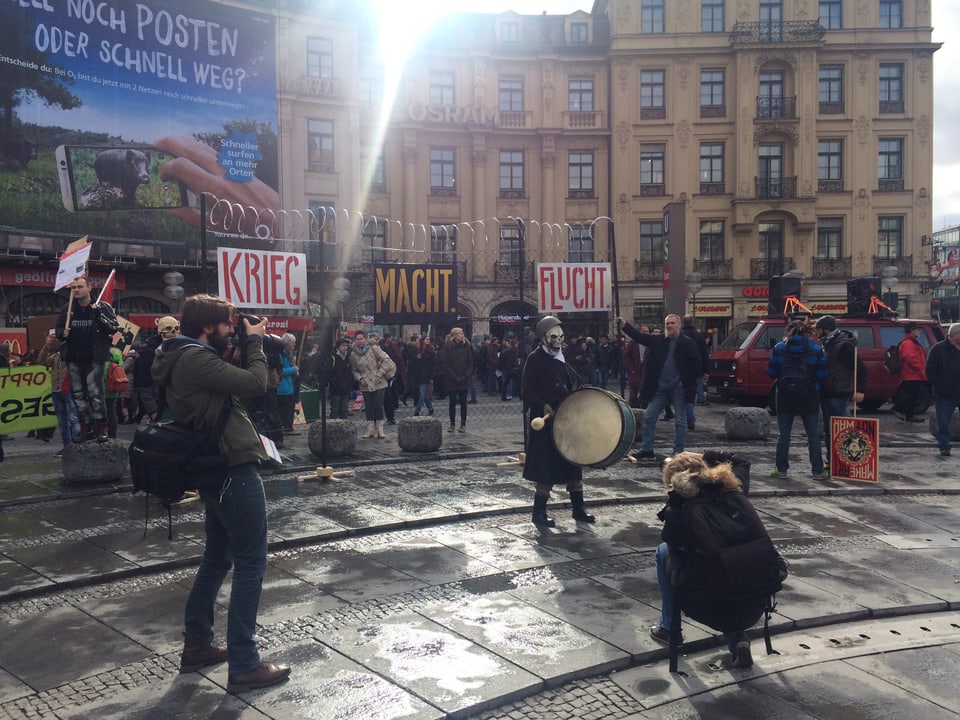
column 120, row 113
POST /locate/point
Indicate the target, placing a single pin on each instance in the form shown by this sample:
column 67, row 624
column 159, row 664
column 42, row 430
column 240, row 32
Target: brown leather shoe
column 194, row 657
column 264, row 675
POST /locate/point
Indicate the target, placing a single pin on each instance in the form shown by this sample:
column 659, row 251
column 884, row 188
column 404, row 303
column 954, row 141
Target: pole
column 521, row 238
column 614, row 279
column 203, row 243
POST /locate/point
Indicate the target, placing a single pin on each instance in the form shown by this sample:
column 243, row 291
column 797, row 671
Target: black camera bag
column 167, row 459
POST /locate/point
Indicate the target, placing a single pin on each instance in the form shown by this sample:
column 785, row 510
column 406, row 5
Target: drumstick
column 538, row 422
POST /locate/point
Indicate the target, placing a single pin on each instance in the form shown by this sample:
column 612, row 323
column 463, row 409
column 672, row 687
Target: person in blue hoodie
column 286, row 388
column 799, row 366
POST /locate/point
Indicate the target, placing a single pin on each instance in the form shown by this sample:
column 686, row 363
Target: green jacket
column 196, row 383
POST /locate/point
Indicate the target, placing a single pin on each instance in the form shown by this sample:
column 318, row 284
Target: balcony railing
column 505, row 272
column 713, row 111
column 903, row 264
column 714, row 269
column 831, row 108
column 784, row 188
column 645, row 270
column 829, row 186
column 318, row 86
column 775, row 108
column 575, row 120
column 652, row 189
column 766, row 268
column 824, row 268
column 653, row 113
column 712, row 188
column 752, row 33
column 894, row 185
column 891, row 106
column 514, row 119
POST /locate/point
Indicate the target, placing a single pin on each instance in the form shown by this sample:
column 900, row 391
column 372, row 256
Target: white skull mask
column 554, row 338
column 168, row 327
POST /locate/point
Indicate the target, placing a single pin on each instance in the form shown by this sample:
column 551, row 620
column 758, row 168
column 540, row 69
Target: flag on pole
column 106, row 292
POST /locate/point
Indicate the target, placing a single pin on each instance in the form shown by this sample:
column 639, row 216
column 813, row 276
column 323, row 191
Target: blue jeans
column 811, row 423
column 944, row 409
column 423, row 399
column 677, row 398
column 701, row 389
column 603, row 377
column 832, row 407
column 87, row 387
column 236, row 530
column 67, row 417
column 667, row 601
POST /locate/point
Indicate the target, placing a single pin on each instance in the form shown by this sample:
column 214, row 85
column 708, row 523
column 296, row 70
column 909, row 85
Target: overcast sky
column 946, row 61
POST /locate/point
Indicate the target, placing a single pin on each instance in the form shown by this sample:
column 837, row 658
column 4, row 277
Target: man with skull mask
column 545, row 383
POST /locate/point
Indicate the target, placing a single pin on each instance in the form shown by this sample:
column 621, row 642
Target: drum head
column 588, row 429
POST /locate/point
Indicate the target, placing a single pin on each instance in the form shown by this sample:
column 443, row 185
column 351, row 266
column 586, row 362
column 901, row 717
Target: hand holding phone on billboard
column 196, row 167
column 116, row 177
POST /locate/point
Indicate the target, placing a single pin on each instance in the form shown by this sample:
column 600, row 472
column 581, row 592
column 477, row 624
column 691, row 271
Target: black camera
column 272, row 344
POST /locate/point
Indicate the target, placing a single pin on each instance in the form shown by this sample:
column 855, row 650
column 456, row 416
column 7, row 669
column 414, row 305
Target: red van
column 738, row 368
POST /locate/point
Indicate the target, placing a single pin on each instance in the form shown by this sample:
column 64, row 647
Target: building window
column 371, row 82
column 831, row 14
column 511, row 95
column 651, row 170
column 711, row 16
column 652, row 85
column 891, row 13
column 711, row 241
column 890, row 237
column 443, row 171
column 830, row 166
column 770, row 102
column 890, row 164
column 320, row 146
column 580, row 95
column 510, row 32
column 711, row 168
column 323, row 229
column 770, row 172
column 651, row 17
column 374, row 166
column 511, row 174
column 651, row 242
column 374, row 241
column 441, row 87
column 829, row 238
column 771, row 244
column 443, row 244
column 580, row 174
column 891, row 88
column 712, row 102
column 579, row 33
column 510, row 247
column 771, row 20
column 580, row 244
column 831, row 89
column 320, row 57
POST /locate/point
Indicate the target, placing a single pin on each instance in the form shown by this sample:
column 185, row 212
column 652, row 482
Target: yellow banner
column 25, row 402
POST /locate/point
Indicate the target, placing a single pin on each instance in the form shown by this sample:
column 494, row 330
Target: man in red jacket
column 913, row 375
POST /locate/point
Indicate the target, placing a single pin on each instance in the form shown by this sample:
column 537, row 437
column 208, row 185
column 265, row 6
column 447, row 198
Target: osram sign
column 262, row 278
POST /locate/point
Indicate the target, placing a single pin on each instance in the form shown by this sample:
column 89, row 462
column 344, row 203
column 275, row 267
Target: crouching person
column 709, row 528
column 199, row 386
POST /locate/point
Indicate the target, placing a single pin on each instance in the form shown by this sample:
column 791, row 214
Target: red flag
column 106, row 292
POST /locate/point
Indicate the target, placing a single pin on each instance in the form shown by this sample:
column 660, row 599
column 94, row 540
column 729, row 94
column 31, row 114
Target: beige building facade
column 795, row 136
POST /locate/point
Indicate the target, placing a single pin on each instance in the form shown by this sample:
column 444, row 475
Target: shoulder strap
column 221, row 421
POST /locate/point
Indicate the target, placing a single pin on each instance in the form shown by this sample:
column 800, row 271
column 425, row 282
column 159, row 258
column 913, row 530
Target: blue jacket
column 287, row 371
column 817, row 362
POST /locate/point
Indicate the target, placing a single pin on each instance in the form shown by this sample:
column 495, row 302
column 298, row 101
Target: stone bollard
column 341, row 438
column 747, row 423
column 420, row 434
column 954, row 425
column 93, row 462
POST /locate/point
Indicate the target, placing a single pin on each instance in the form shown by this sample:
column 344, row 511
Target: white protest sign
column 73, row 264
column 574, row 287
column 262, row 278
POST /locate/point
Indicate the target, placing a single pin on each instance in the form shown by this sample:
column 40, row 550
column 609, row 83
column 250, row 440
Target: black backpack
column 794, row 384
column 891, row 360
column 167, row 459
column 729, row 575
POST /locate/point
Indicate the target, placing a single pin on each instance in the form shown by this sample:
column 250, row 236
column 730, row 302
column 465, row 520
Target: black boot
column 579, row 513
column 540, row 516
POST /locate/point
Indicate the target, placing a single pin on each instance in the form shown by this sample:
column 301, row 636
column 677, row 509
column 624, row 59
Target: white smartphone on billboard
column 116, row 177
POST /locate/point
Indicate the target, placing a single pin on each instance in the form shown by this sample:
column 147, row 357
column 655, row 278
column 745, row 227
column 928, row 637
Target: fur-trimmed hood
column 689, row 484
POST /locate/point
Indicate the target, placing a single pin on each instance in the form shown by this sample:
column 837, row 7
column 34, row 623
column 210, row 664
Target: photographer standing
column 88, row 339
column 198, row 382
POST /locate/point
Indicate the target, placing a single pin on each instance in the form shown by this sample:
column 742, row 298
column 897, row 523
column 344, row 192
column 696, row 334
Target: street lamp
column 694, row 286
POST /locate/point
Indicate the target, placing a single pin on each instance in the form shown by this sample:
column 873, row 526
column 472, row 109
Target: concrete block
column 747, row 423
column 420, row 434
column 954, row 425
column 93, row 462
column 341, row 438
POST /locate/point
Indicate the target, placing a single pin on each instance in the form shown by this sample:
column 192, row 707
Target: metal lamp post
column 694, row 285
column 890, row 281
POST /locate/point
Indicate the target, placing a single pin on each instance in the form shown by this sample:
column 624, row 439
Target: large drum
column 593, row 428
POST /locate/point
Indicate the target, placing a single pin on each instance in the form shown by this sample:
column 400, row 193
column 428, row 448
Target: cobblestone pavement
column 437, row 552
